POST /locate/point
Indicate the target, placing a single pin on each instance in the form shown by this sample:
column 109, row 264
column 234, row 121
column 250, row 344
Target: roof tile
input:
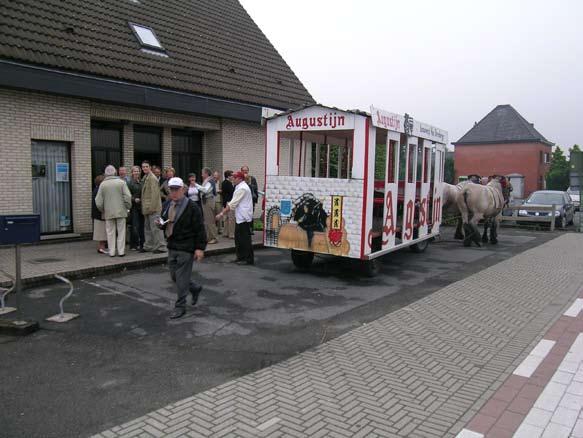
column 502, row 125
column 214, row 47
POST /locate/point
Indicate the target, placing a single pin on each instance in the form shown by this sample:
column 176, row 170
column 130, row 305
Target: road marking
column 575, row 308
column 117, row 292
column 465, row 433
column 268, row 424
column 534, row 359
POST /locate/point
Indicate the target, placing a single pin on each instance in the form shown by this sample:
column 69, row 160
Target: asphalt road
column 123, row 358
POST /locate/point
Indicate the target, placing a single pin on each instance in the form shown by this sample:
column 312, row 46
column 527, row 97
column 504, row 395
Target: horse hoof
column 494, row 241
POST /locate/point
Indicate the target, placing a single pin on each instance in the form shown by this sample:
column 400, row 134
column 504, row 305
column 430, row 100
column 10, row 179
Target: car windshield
column 542, row 198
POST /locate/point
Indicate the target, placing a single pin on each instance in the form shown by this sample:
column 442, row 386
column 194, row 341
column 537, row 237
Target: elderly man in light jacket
column 114, row 200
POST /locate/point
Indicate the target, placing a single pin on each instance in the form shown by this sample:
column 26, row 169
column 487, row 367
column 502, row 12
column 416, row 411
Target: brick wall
column 503, row 159
column 244, row 144
column 27, row 116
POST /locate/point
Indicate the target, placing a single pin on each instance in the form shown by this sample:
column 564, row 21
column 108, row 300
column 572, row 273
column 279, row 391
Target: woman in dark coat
column 137, row 237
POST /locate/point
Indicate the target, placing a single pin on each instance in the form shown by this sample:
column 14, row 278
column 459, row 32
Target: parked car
column 564, row 212
column 573, row 192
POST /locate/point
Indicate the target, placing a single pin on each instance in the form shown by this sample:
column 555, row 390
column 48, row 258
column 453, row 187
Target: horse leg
column 485, row 235
column 459, row 234
column 468, row 234
column 494, row 232
column 474, row 226
column 464, row 220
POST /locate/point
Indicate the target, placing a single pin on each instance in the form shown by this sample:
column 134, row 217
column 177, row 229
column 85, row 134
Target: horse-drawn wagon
column 351, row 184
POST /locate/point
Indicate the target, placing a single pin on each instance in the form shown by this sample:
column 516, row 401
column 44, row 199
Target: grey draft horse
column 451, row 194
column 477, row 202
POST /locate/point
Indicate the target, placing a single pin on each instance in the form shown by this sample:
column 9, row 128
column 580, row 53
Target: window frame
column 159, row 48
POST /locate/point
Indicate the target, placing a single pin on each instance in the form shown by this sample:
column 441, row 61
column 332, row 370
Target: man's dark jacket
column 188, row 233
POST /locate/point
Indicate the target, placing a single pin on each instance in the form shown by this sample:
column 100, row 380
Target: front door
column 51, row 186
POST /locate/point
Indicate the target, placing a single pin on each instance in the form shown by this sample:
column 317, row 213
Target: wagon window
column 411, row 164
column 427, row 165
column 323, row 161
column 420, row 162
column 391, row 161
column 403, row 159
column 380, row 162
column 345, row 162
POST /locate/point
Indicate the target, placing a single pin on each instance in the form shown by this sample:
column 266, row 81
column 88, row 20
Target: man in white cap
column 184, row 227
column 242, row 203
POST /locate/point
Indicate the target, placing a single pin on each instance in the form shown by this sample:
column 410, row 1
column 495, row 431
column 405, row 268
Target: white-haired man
column 114, row 200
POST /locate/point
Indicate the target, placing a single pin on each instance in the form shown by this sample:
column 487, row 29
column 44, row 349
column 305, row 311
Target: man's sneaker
column 179, row 312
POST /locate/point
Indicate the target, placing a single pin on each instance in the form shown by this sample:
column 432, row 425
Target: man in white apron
column 242, row 203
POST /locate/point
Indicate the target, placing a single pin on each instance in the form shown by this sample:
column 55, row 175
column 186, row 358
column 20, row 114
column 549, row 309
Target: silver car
column 573, row 192
column 564, row 213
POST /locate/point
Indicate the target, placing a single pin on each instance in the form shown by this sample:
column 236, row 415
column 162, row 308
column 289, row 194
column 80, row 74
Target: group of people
column 168, row 215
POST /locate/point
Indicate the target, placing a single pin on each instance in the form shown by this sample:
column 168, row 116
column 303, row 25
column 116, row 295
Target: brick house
column 504, row 143
column 85, row 84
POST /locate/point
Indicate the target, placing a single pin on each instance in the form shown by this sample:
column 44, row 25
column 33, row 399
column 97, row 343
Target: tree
column 449, row 169
column 558, row 175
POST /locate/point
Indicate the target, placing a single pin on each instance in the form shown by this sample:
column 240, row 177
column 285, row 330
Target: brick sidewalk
column 80, row 259
column 544, row 394
column 422, row 371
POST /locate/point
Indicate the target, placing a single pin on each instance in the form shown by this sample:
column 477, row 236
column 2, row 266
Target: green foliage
column 558, row 176
column 380, row 160
column 257, row 225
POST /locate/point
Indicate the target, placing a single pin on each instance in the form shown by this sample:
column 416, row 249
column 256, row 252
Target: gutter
column 34, row 78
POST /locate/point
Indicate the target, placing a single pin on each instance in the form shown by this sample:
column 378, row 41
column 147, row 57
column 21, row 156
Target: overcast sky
column 447, row 63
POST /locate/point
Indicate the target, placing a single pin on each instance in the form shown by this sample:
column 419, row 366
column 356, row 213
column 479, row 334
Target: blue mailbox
column 19, row 228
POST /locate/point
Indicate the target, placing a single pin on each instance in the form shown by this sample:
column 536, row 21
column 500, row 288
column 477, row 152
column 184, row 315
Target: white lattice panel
column 292, row 187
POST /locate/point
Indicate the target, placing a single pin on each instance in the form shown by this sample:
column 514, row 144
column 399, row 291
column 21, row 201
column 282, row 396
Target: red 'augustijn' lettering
column 423, row 212
column 409, row 220
column 389, row 226
column 330, row 120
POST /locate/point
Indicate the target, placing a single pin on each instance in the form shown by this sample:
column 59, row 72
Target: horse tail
column 463, row 205
column 466, row 194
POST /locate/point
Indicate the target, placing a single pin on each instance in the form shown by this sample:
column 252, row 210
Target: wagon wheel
column 302, row 260
column 419, row 247
column 371, row 268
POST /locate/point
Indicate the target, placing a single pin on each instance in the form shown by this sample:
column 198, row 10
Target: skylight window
column 146, row 36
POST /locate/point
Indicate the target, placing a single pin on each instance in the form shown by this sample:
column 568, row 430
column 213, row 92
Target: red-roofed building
column 504, row 143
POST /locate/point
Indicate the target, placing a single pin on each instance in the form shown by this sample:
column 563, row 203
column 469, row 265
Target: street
column 123, row 358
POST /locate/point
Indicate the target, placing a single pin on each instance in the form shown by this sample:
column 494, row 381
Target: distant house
column 504, row 143
column 86, row 84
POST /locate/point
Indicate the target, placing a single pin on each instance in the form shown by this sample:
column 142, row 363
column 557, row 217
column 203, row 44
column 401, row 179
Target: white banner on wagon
column 387, row 120
column 406, row 124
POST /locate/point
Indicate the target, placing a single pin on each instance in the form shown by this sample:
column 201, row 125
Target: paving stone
column 414, row 372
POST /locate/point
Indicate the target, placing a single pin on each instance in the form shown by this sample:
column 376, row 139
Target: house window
column 547, row 158
column 147, row 37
